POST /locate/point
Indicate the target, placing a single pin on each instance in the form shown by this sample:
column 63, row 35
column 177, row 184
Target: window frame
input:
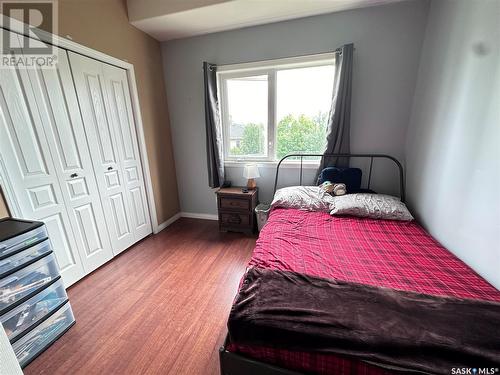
column 269, row 68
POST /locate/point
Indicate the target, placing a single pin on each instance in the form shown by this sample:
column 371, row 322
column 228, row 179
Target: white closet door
column 123, row 121
column 31, row 173
column 60, row 113
column 90, row 86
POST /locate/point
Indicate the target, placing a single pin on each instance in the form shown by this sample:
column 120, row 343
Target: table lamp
column 251, row 172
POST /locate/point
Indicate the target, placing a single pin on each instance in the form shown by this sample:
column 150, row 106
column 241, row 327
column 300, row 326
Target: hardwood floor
column 159, row 308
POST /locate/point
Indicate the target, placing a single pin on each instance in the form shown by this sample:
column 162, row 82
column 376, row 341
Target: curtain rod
column 337, row 51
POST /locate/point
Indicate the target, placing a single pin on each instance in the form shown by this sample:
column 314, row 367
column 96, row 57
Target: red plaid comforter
column 394, row 254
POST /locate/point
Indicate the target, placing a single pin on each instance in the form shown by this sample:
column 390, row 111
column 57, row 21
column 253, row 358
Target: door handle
column 110, row 168
column 73, row 175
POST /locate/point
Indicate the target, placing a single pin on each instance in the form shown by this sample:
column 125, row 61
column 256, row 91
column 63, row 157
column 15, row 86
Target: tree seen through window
column 295, row 134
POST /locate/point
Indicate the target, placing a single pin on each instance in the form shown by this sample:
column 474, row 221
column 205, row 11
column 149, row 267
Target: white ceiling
column 174, row 19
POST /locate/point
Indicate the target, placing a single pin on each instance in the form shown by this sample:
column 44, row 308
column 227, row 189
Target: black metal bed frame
column 370, row 156
column 237, row 364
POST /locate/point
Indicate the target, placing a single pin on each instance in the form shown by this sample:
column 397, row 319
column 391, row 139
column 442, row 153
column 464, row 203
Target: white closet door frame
column 90, row 85
column 19, row 27
column 31, row 169
column 63, row 126
column 115, row 80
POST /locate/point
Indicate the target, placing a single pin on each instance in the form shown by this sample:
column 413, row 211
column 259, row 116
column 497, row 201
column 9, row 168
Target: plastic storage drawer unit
column 27, row 281
column 34, row 310
column 16, row 235
column 39, row 338
column 24, row 257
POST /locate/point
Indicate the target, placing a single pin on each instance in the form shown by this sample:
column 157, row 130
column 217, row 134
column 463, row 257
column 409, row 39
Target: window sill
column 273, row 164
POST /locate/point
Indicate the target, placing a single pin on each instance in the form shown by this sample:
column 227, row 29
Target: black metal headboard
column 370, row 156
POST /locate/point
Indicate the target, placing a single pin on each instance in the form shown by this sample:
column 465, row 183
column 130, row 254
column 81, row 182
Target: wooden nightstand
column 236, row 209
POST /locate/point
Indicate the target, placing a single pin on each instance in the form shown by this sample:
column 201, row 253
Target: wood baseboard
column 166, row 223
column 177, row 216
column 195, row 215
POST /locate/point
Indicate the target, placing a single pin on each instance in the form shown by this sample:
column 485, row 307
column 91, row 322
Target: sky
column 299, row 91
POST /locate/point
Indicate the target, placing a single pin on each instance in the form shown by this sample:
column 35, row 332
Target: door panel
column 77, row 188
column 60, row 114
column 132, row 174
column 31, row 172
column 21, row 132
column 112, row 180
column 62, row 127
column 60, row 238
column 128, row 151
column 104, row 148
column 139, row 208
column 120, row 215
column 87, row 224
column 117, row 99
column 100, row 125
column 42, row 197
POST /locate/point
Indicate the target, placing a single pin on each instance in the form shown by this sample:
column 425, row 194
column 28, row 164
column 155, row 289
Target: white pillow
column 375, row 206
column 308, row 198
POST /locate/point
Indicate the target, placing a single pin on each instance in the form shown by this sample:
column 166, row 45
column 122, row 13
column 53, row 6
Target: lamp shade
column 251, row 171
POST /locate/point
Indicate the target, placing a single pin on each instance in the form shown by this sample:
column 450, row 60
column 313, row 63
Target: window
column 274, row 108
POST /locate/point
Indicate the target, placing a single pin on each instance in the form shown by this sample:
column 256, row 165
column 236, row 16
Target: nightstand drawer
column 234, row 219
column 235, row 203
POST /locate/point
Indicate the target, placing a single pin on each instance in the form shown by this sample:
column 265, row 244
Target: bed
column 398, row 255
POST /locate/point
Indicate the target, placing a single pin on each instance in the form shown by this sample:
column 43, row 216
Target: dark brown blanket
column 409, row 330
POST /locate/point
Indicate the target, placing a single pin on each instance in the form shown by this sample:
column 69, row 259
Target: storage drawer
column 15, row 287
column 17, row 321
column 234, row 219
column 22, row 241
column 23, row 257
column 40, row 337
column 234, row 203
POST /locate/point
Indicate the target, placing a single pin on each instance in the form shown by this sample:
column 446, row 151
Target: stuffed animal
column 333, row 189
column 326, row 187
column 339, row 189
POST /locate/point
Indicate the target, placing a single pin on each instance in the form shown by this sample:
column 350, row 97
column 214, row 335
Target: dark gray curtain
column 213, row 126
column 339, row 120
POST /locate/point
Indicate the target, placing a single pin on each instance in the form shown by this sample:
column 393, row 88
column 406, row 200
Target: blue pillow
column 351, row 177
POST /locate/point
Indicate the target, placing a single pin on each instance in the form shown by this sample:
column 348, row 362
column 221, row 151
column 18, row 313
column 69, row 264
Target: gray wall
column 453, row 142
column 388, row 41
